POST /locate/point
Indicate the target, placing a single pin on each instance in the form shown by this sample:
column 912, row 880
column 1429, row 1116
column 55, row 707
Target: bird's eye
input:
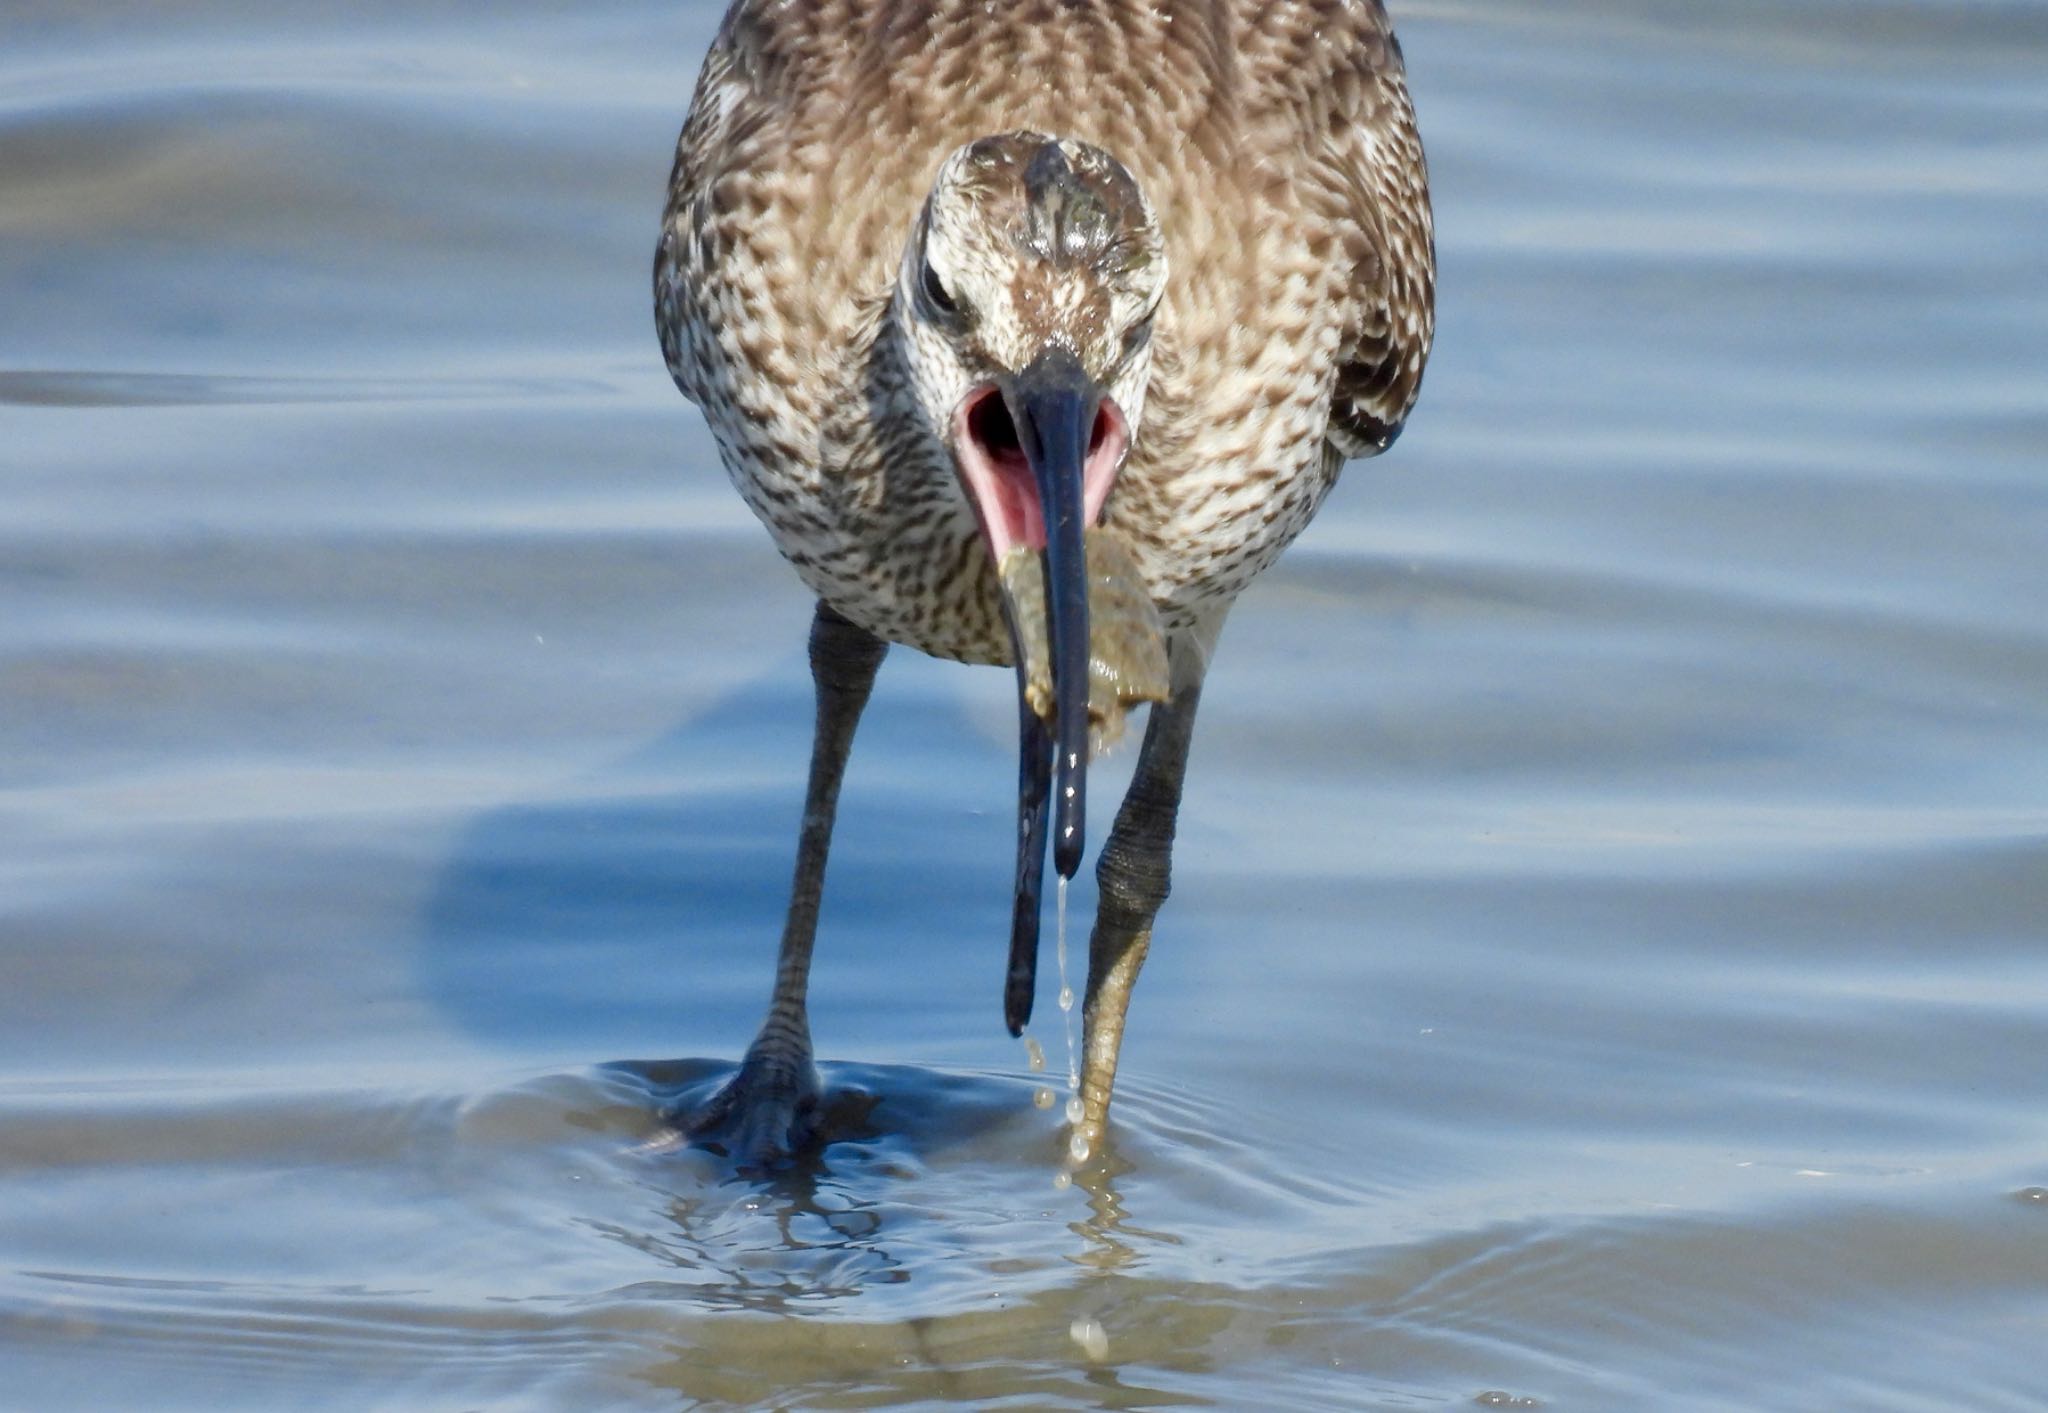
column 935, row 291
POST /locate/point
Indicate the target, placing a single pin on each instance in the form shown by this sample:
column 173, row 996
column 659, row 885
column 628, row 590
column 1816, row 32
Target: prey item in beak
column 1038, row 451
column 1127, row 664
column 1053, row 404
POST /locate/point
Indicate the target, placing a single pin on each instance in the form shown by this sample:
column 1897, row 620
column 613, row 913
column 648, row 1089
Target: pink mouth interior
column 999, row 480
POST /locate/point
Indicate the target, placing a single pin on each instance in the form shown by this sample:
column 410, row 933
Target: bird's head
column 1028, row 288
column 1026, row 297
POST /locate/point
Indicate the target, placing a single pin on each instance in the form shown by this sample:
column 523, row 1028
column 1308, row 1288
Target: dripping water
column 1077, row 1146
column 1067, row 1013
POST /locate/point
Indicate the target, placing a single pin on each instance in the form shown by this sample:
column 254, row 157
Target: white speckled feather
column 1275, row 149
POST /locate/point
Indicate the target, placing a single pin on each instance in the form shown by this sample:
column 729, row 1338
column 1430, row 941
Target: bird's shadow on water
column 636, row 910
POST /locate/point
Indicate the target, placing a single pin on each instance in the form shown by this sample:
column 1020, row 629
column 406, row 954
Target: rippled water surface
column 1605, row 966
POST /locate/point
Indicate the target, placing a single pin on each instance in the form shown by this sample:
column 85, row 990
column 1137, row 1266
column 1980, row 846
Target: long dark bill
column 1053, row 402
column 1034, row 776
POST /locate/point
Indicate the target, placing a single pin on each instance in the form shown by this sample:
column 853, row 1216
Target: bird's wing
column 736, row 99
column 1378, row 183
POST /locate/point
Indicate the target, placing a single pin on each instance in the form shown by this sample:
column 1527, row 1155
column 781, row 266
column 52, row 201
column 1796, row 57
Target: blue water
column 1605, row 965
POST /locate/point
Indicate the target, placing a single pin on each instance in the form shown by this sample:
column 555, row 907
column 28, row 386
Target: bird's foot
column 767, row 1112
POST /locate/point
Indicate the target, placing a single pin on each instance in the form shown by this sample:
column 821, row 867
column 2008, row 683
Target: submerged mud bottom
column 1126, row 643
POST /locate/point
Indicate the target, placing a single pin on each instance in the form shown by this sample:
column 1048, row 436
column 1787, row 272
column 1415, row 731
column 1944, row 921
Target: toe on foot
column 765, row 1114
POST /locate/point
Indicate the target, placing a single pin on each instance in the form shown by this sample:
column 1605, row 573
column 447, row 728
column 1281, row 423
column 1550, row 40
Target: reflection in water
column 825, row 1234
column 826, row 1237
column 817, row 1253
column 1112, row 1241
column 924, row 1253
column 821, row 1225
column 827, row 1205
column 797, row 1235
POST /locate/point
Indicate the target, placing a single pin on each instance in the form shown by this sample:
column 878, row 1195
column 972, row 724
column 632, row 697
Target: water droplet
column 1093, row 1339
column 1074, row 1109
column 1034, row 1054
column 1041, row 1097
column 1077, row 1148
column 1062, row 1180
column 1067, row 995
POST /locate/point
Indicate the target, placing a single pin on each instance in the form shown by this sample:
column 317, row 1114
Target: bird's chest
column 1232, row 466
column 868, row 511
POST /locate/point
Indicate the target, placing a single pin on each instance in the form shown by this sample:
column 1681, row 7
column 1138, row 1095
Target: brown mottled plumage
column 1267, row 147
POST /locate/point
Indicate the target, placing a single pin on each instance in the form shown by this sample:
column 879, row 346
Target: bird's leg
column 1132, row 877
column 770, row 1107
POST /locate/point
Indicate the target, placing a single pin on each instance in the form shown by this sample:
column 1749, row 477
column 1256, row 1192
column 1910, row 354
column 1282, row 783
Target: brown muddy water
column 1606, row 967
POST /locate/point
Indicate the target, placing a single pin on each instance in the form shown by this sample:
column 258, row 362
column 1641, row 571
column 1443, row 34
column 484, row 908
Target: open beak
column 1039, row 464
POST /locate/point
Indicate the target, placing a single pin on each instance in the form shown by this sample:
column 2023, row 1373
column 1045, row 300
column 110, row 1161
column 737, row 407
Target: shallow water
column 1605, row 965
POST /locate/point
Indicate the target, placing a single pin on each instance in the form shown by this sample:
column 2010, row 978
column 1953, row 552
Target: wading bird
column 1033, row 330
